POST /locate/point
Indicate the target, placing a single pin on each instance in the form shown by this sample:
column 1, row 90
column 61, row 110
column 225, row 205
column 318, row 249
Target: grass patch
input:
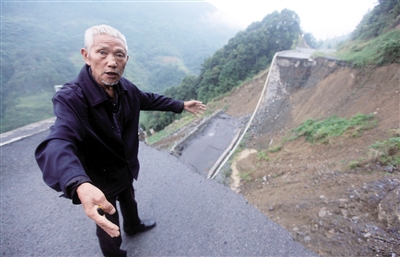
column 170, row 129
column 276, row 175
column 395, row 132
column 275, row 149
column 354, row 164
column 246, row 176
column 388, row 151
column 323, row 131
column 262, row 156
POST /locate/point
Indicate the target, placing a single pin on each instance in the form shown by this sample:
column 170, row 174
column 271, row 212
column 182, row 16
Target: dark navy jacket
column 82, row 145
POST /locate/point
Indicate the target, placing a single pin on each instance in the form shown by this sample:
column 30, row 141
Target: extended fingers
column 198, row 106
column 92, row 199
column 108, row 207
column 202, row 107
column 195, row 107
column 100, row 219
column 97, row 215
column 109, row 227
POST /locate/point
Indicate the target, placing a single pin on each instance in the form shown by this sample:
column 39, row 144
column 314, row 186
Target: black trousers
column 110, row 246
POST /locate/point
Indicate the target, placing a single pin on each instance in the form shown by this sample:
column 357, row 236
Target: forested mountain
column 376, row 40
column 41, row 44
column 382, row 19
column 246, row 54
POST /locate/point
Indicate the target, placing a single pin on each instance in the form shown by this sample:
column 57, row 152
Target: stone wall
column 287, row 76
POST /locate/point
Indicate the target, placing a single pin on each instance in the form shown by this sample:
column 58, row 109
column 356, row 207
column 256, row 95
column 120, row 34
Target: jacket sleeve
column 150, row 101
column 57, row 154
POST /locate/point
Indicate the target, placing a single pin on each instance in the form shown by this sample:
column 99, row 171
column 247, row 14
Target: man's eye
column 120, row 55
column 102, row 52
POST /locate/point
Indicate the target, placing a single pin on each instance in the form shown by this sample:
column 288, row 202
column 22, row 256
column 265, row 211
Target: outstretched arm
column 195, row 107
column 91, row 198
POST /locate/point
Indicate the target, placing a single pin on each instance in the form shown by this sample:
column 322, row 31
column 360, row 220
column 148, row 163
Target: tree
column 381, row 19
column 310, row 40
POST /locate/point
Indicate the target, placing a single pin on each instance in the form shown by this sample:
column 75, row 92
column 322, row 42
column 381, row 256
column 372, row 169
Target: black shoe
column 121, row 253
column 144, row 226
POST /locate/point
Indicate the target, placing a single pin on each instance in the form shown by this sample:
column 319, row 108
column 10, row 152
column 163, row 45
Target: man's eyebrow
column 101, row 46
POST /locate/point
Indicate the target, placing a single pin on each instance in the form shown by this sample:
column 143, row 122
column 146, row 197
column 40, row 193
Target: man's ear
column 85, row 55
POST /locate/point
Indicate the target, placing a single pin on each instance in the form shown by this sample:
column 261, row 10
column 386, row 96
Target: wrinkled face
column 108, row 58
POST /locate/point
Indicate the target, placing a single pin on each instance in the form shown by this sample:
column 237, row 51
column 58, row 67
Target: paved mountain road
column 195, row 216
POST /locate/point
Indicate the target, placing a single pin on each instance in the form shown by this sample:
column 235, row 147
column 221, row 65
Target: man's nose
column 112, row 61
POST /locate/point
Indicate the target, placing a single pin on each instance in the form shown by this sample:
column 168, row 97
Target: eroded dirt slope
column 310, row 189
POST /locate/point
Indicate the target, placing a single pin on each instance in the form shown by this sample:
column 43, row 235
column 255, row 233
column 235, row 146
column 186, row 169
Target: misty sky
column 324, row 19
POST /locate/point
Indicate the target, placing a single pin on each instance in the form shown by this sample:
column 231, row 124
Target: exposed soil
column 310, row 189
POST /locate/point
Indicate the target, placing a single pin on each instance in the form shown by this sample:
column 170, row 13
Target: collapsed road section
column 211, row 144
column 202, row 148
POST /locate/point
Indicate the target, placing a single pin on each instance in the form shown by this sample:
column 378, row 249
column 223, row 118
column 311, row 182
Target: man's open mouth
column 112, row 73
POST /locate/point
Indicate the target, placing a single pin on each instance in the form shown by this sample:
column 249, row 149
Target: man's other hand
column 194, row 107
column 91, row 198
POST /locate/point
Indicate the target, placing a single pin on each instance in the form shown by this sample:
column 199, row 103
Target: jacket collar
column 94, row 93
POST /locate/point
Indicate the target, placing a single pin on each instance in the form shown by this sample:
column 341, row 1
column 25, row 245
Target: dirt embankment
column 310, row 189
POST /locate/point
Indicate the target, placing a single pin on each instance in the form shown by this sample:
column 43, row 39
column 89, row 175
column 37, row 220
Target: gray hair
column 102, row 29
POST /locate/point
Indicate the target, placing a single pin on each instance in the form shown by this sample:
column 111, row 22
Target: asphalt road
column 204, row 149
column 195, row 216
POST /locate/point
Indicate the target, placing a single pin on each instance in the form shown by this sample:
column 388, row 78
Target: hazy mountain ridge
column 41, row 43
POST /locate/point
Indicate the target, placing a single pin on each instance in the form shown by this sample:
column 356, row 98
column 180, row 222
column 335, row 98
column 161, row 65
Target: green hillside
column 245, row 55
column 41, row 42
column 376, row 40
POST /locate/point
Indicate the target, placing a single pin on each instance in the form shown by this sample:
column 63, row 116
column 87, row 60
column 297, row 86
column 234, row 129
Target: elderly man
column 91, row 152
